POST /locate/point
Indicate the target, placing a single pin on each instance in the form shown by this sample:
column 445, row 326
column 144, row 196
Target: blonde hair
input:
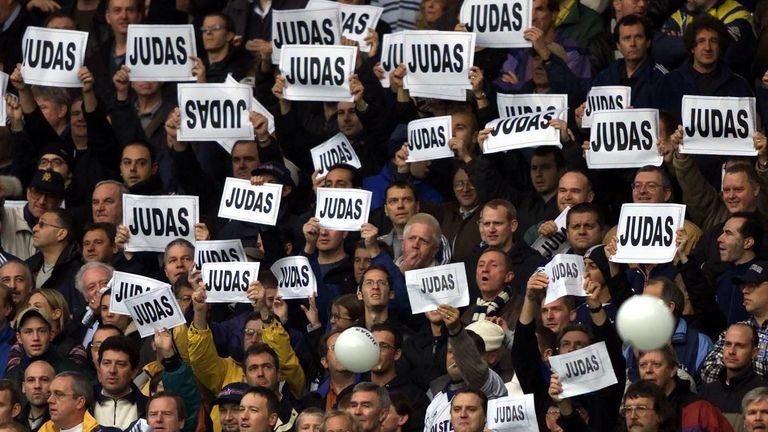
column 55, row 301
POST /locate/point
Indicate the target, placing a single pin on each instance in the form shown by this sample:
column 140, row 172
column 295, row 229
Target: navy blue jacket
column 643, row 82
column 682, row 81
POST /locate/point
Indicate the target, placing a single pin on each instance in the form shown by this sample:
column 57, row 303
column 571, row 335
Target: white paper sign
column 317, row 73
column 160, row 52
column 342, row 209
column 718, row 125
column 3, row 88
column 219, row 251
column 295, row 278
column 257, row 107
column 624, row 139
column 530, row 130
column 355, row 20
column 126, row 286
column 512, row 105
column 334, row 151
column 457, row 93
column 156, row 309
column 601, row 98
column 256, row 204
column 585, row 370
column 53, row 57
column 227, row 282
column 214, row 111
column 557, row 243
column 512, row 414
column 428, row 139
column 155, row 221
column 497, row 23
column 304, row 27
column 647, row 233
column 566, row 277
column 430, row 287
column 438, row 58
column 391, row 54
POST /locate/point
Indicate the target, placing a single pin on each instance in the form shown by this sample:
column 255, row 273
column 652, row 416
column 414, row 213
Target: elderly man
column 421, row 241
column 754, row 408
column 71, row 395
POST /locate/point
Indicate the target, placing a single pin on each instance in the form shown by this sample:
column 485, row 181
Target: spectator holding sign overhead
column 467, row 369
column 143, row 121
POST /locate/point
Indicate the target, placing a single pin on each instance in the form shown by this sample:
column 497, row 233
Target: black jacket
column 62, row 276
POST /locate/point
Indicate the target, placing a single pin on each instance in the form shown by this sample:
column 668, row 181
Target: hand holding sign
column 555, row 388
column 584, row 370
column 451, row 317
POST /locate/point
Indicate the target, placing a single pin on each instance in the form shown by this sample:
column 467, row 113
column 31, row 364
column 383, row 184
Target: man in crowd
column 16, row 276
column 738, row 377
column 37, row 389
column 369, row 404
column 71, row 395
column 118, row 402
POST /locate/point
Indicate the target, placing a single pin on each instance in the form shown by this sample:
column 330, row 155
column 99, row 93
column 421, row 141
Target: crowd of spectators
column 67, row 157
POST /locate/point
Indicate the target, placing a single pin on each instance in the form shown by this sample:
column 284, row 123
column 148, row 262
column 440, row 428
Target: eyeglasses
column 461, row 184
column 336, row 317
column 55, row 162
column 213, row 28
column 386, row 346
column 651, row 186
column 42, row 224
column 634, row 409
column 370, row 283
column 252, row 332
column 60, row 395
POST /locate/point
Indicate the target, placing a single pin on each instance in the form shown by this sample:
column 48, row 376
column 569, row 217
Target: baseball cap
column 231, row 393
column 30, row 312
column 756, row 273
column 56, row 149
column 492, row 334
column 276, row 170
column 48, row 181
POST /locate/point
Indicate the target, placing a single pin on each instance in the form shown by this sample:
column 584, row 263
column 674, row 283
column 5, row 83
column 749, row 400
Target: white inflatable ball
column 645, row 322
column 357, row 350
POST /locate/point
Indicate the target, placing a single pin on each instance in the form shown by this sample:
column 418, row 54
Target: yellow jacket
column 89, row 425
column 215, row 372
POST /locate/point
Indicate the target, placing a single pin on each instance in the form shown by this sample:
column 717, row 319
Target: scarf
column 490, row 308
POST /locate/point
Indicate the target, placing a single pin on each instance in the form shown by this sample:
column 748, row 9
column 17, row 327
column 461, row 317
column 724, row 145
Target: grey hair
column 381, row 392
column 88, row 266
column 755, row 395
column 81, row 386
column 123, row 188
column 428, row 220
